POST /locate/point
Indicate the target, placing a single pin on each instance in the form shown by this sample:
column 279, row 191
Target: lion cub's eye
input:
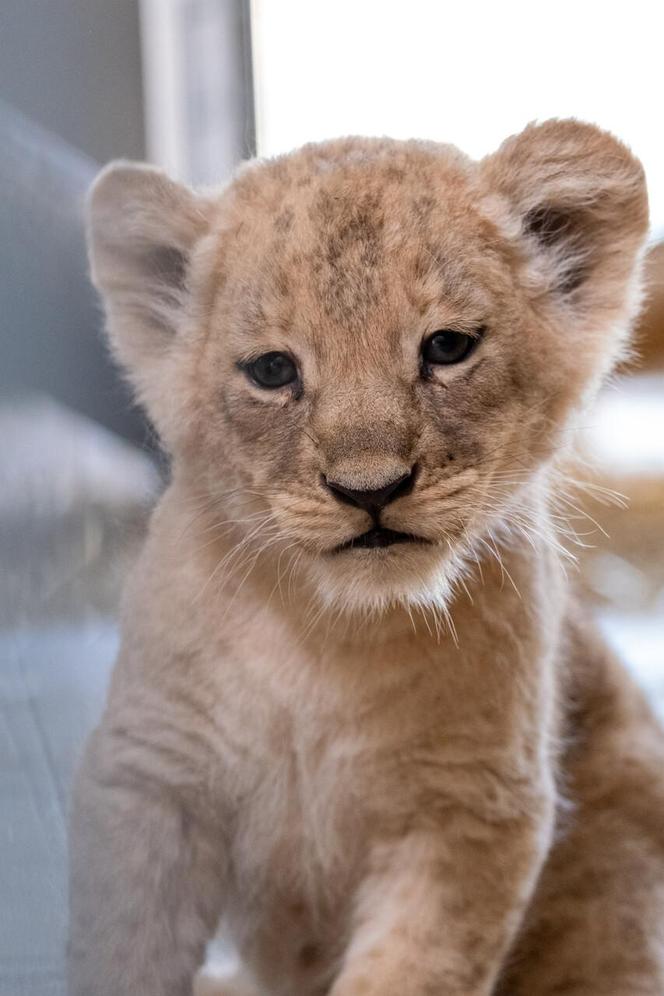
column 272, row 370
column 447, row 346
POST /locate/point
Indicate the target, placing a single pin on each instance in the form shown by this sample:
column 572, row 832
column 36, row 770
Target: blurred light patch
column 469, row 74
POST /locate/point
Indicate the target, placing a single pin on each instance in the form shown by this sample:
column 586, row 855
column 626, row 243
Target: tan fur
column 409, row 771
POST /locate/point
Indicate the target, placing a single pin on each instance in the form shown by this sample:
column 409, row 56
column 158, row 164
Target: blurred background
column 196, row 86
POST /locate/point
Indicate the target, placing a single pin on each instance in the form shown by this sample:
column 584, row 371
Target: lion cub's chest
column 301, row 827
column 298, row 813
column 313, row 779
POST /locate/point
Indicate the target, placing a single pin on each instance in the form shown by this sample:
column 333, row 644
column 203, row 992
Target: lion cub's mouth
column 377, row 538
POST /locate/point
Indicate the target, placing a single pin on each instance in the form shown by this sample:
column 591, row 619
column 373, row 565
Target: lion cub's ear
column 142, row 228
column 575, row 197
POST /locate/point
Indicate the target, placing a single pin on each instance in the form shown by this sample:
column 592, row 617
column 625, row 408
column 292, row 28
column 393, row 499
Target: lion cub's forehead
column 352, row 182
column 346, row 228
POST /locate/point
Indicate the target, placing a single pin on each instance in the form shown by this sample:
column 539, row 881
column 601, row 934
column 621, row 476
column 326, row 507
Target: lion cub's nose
column 372, row 501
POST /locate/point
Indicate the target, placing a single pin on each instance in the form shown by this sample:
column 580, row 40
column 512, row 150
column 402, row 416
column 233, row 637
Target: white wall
column 467, row 72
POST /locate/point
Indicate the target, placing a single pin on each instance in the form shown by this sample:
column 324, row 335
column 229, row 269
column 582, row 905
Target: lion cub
column 358, row 717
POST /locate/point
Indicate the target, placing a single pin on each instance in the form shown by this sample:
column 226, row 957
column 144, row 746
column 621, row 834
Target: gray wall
column 74, row 66
column 70, row 98
column 50, row 322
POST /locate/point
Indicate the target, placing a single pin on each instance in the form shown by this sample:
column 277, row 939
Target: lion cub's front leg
column 146, row 877
column 438, row 910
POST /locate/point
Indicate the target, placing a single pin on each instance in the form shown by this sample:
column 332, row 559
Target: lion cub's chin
column 374, row 579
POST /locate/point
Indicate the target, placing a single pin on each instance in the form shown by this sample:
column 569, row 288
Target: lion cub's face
column 361, row 351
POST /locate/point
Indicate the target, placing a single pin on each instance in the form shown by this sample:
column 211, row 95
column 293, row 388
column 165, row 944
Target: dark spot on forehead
column 394, row 172
column 349, row 252
column 421, row 265
column 284, row 220
column 281, row 282
column 343, row 215
column 422, row 207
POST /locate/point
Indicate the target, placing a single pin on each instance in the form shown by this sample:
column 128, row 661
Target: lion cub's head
column 361, row 350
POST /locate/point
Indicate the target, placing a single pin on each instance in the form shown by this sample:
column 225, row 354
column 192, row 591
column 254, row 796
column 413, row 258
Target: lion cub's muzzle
column 373, row 501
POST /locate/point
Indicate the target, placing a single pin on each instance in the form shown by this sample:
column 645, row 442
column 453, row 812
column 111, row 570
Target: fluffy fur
column 409, row 771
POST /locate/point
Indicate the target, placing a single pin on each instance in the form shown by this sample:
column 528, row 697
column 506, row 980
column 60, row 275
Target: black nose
column 373, row 501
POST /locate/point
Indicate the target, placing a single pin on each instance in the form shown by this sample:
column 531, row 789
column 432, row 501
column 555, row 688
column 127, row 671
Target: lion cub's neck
column 508, row 608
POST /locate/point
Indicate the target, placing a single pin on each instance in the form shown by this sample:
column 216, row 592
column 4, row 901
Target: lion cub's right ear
column 142, row 228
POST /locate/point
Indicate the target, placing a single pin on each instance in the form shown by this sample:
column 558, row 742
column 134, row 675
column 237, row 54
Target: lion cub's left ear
column 142, row 228
column 575, row 199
